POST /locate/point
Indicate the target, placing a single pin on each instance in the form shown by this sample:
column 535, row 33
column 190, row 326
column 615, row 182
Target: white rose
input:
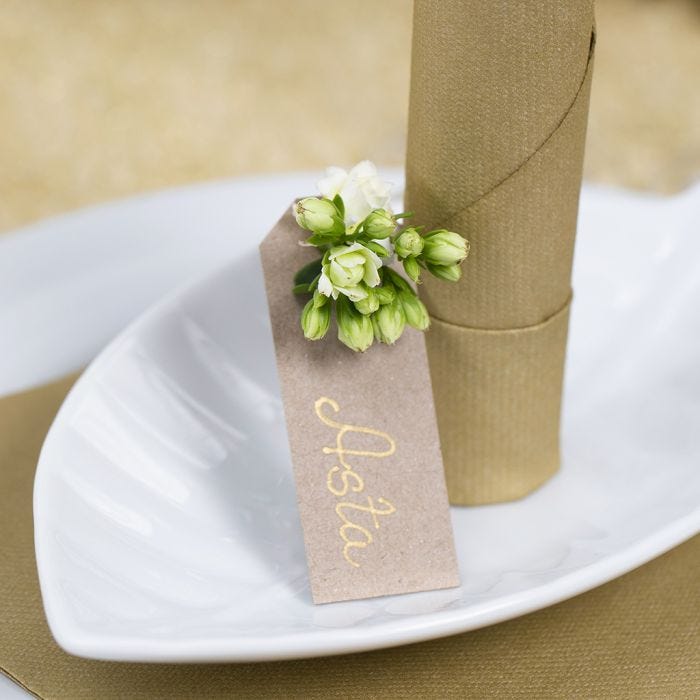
column 362, row 190
column 347, row 269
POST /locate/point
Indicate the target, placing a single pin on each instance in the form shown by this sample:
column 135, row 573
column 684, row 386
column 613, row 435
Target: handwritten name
column 343, row 481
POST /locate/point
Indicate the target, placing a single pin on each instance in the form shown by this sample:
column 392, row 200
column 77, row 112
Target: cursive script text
column 343, row 481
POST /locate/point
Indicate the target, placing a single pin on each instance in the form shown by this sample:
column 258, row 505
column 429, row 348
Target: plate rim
column 307, row 644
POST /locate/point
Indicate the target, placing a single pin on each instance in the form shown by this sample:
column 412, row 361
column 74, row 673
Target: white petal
column 335, row 251
column 356, row 207
column 342, row 249
column 377, row 194
column 332, row 183
column 371, row 256
column 364, row 191
column 371, row 276
column 351, row 258
column 340, row 273
column 325, row 286
column 353, row 293
column 365, row 168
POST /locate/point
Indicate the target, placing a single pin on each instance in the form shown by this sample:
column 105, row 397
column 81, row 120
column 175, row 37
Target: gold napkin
column 636, row 637
column 498, row 111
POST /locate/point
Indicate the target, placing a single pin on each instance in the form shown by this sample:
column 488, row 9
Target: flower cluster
column 352, row 225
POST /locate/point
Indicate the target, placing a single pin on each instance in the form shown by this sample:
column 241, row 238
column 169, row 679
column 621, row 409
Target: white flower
column 347, row 269
column 362, row 190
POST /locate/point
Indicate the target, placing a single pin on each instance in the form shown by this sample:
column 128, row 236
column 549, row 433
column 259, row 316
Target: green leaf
column 339, row 205
column 314, row 283
column 300, row 289
column 356, row 234
column 377, row 248
column 307, row 273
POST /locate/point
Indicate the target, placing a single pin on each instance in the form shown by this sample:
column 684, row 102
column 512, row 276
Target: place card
column 365, row 449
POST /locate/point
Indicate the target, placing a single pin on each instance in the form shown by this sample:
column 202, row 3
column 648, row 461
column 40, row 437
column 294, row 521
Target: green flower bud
column 369, row 304
column 379, row 224
column 388, row 322
column 319, row 215
column 397, row 280
column 449, row 273
column 409, row 243
column 412, row 269
column 319, row 299
column 416, row 313
column 385, row 294
column 445, row 248
column 315, row 320
column 354, row 328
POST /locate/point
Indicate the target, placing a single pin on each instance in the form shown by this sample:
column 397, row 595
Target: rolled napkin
column 497, row 123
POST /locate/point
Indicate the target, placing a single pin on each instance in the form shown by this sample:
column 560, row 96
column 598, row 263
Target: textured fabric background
column 104, row 99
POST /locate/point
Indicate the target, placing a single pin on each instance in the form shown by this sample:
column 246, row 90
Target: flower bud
column 415, row 311
column 409, row 243
column 354, row 328
column 315, row 320
column 319, row 215
column 319, row 299
column 388, row 322
column 379, row 224
column 398, row 281
column 385, row 293
column 412, row 269
column 369, row 304
column 444, row 248
column 449, row 273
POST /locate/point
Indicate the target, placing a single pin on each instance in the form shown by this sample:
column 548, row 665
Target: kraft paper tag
column 365, row 449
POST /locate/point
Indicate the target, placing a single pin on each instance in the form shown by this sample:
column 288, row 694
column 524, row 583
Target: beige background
column 102, row 99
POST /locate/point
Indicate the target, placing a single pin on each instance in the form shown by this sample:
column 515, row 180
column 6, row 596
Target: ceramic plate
column 165, row 522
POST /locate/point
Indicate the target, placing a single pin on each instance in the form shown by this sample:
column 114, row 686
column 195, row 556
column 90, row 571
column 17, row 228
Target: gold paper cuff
column 498, row 399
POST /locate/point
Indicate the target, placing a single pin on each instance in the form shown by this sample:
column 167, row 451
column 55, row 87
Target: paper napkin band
column 502, row 425
column 499, row 105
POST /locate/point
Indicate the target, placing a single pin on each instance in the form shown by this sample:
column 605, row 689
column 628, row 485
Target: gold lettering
column 344, row 476
column 338, row 480
column 374, row 512
column 349, row 543
column 345, row 428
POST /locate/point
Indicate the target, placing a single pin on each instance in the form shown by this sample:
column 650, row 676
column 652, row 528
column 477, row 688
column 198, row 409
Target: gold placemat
column 636, row 637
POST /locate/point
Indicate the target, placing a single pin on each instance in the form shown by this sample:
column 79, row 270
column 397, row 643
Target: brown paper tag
column 365, row 449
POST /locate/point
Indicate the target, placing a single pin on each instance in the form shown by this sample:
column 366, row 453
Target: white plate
column 165, row 521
